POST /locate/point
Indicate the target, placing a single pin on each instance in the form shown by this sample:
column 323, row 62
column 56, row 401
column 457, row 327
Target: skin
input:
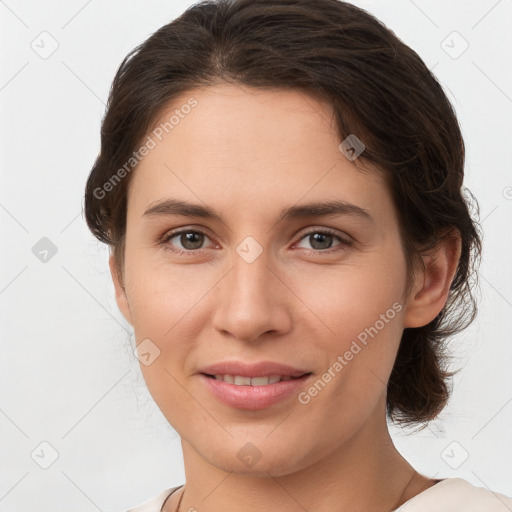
column 248, row 153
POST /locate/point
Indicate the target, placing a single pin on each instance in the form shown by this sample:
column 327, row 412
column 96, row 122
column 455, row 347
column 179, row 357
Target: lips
column 253, row 386
column 255, row 397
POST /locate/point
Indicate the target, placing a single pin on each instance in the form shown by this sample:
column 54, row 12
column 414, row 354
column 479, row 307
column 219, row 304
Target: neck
column 363, row 472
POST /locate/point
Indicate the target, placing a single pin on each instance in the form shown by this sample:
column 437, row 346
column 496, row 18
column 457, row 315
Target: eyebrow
column 170, row 206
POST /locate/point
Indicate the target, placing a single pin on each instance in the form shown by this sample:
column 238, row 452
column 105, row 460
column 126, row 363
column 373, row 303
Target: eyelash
column 344, row 243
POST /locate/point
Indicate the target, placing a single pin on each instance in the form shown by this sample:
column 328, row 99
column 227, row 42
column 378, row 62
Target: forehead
column 250, row 144
column 240, row 119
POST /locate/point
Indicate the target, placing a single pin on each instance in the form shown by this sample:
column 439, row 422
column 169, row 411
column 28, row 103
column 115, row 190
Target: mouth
column 253, row 393
column 239, row 380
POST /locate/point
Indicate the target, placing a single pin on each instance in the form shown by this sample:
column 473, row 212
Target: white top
column 448, row 495
column 155, row 505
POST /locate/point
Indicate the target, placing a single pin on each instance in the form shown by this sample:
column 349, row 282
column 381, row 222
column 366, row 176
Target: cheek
column 164, row 304
column 364, row 315
column 169, row 306
column 348, row 299
column 358, row 324
column 162, row 296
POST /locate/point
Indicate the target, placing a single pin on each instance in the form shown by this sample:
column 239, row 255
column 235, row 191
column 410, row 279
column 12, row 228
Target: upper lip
column 259, row 369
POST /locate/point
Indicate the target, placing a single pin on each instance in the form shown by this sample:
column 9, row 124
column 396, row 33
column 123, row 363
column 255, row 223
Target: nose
column 252, row 301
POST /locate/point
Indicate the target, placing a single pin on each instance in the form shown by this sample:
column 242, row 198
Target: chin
column 257, row 458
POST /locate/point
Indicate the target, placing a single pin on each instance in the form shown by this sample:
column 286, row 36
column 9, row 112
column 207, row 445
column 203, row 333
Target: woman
column 280, row 183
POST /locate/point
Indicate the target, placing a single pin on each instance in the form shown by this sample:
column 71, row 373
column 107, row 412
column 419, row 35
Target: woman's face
column 253, row 284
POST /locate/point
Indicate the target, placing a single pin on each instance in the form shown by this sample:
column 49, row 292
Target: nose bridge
column 250, row 280
column 248, row 304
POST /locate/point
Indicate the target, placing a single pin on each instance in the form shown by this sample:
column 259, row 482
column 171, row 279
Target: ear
column 121, row 298
column 432, row 285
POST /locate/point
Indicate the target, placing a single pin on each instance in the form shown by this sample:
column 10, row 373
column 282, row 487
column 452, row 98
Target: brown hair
column 380, row 90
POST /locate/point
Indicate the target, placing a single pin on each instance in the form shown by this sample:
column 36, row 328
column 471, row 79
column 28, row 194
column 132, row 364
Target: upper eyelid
column 179, row 231
column 343, row 239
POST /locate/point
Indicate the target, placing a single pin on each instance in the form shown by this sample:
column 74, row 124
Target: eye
column 321, row 240
column 189, row 240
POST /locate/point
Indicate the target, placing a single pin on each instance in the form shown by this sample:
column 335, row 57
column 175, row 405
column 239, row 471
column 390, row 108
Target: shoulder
column 155, row 504
column 453, row 493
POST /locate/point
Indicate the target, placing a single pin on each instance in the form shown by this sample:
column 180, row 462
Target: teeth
column 242, row 381
column 254, row 381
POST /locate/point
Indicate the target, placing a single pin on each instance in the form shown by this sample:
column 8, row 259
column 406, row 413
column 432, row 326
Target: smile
column 239, row 380
column 254, row 393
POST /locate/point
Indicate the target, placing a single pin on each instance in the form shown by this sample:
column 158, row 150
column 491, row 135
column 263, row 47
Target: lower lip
column 253, row 398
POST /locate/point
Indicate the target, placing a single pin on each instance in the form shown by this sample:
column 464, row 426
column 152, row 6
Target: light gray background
column 68, row 374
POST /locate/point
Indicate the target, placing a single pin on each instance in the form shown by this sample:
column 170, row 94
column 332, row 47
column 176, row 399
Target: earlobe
column 121, row 298
column 432, row 285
